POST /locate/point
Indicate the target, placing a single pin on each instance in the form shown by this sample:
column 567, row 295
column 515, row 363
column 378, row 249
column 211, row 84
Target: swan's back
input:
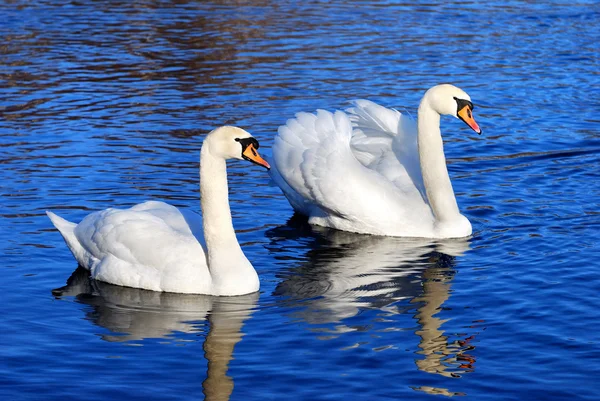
column 150, row 246
column 356, row 171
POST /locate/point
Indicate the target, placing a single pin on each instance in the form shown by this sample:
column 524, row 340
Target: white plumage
column 371, row 169
column 150, row 246
column 156, row 246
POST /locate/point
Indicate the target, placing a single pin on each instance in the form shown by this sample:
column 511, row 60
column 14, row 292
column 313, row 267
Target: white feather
column 156, row 246
column 362, row 170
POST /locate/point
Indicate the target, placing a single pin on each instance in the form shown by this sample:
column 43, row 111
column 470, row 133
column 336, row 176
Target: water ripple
column 106, row 104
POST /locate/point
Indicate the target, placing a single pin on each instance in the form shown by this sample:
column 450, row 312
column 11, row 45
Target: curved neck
column 214, row 198
column 433, row 164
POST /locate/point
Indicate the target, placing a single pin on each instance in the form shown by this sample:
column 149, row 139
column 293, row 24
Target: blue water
column 106, row 104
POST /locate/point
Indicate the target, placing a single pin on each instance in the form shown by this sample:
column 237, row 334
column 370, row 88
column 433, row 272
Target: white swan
column 371, row 171
column 157, row 247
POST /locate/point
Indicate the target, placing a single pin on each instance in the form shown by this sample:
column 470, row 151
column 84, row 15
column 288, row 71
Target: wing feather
column 143, row 246
column 386, row 140
column 340, row 166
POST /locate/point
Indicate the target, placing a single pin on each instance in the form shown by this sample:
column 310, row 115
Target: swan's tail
column 67, row 230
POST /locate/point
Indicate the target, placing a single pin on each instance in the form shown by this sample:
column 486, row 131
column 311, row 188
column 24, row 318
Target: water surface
column 106, row 104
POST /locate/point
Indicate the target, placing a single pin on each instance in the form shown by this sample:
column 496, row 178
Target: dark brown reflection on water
column 111, row 64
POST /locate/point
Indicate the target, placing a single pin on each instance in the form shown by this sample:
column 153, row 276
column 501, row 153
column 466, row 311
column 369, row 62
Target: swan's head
column 448, row 99
column 234, row 143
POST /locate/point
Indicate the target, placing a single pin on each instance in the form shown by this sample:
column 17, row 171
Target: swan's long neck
column 433, row 164
column 231, row 272
column 214, row 197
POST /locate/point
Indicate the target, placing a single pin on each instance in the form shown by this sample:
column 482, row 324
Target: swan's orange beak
column 252, row 155
column 466, row 114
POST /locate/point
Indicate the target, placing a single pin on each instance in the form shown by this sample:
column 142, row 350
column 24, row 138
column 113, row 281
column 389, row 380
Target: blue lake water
column 106, row 104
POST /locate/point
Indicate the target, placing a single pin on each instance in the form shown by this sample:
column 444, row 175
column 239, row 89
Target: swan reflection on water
column 343, row 273
column 340, row 274
column 133, row 314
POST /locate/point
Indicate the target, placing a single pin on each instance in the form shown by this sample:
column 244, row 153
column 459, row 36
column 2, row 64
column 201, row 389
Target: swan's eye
column 245, row 142
column 462, row 103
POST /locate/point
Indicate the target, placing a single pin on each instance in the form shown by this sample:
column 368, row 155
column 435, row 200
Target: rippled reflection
column 132, row 314
column 344, row 273
column 448, row 358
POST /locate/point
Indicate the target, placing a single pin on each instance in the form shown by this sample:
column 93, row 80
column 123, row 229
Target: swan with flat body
column 156, row 246
column 371, row 170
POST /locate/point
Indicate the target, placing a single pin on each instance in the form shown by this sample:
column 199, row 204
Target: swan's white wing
column 149, row 246
column 181, row 220
column 386, row 141
column 324, row 178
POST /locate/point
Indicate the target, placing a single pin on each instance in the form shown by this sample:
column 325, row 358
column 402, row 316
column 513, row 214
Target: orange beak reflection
column 466, row 115
column 252, row 155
